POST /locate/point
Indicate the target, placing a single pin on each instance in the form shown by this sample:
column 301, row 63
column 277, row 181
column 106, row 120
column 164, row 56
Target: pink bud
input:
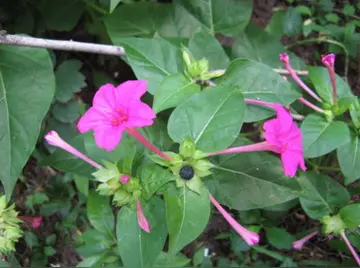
column 124, row 179
column 298, row 244
column 328, row 60
column 34, row 221
column 142, row 221
column 284, row 58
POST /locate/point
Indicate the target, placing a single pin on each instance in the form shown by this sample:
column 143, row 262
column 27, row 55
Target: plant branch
column 18, row 40
column 27, row 41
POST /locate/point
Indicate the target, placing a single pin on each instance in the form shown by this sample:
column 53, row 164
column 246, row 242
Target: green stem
column 329, row 168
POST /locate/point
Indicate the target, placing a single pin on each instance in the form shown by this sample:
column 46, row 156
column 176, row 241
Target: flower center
column 186, row 172
column 119, row 118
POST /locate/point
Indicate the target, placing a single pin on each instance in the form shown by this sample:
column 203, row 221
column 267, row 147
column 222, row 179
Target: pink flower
column 124, row 179
column 55, row 140
column 328, row 60
column 142, row 221
column 286, row 138
column 251, row 238
column 34, row 221
column 282, row 136
column 114, row 110
column 298, row 244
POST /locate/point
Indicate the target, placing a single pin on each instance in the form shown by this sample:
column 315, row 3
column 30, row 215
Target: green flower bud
column 202, row 168
column 333, row 224
column 211, row 75
column 187, row 58
column 187, row 148
column 198, row 68
column 121, row 197
column 110, row 171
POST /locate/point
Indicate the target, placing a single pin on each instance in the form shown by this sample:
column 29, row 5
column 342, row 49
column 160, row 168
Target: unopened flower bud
column 187, row 148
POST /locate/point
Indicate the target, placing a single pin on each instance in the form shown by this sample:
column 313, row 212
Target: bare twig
column 26, row 41
column 298, row 72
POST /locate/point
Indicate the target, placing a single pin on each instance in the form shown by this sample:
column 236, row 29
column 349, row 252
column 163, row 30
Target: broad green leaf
column 152, row 178
column 255, row 44
column 349, row 159
column 187, row 214
column 319, row 76
column 82, row 184
column 321, row 137
column 94, row 260
column 169, row 260
column 68, row 80
column 250, row 180
column 157, row 135
column 204, row 45
column 258, row 81
column 174, row 90
column 350, row 215
column 219, row 16
column 136, row 247
column 212, row 118
column 92, row 242
column 275, row 27
column 67, row 162
column 113, row 5
column 61, row 15
column 151, row 59
column 137, row 19
column 321, row 194
column 66, row 112
column 100, row 213
column 27, row 86
column 279, row 238
column 293, row 22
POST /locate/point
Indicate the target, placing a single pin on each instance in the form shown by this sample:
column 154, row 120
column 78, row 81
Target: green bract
column 10, row 230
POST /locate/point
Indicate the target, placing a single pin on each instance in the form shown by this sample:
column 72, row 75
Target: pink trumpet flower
column 298, row 244
column 142, row 221
column 34, row 221
column 251, row 238
column 119, row 109
column 124, row 179
column 283, row 137
column 329, row 62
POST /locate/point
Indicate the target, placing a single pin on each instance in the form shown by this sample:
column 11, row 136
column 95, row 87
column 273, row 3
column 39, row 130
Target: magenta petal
column 92, row 119
column 108, row 137
column 284, row 117
column 142, row 221
column 105, row 97
column 290, row 161
column 140, row 115
column 130, row 91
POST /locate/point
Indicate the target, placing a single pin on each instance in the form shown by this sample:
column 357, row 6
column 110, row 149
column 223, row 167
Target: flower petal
column 105, row 98
column 140, row 115
column 108, row 137
column 290, row 161
column 284, row 117
column 91, row 119
column 130, row 91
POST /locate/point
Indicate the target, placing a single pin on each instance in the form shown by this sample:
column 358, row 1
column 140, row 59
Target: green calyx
column 199, row 69
column 189, row 166
column 10, row 231
column 333, row 224
column 110, row 185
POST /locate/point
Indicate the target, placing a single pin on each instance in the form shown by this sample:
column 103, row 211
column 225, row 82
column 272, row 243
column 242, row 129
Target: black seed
column 186, row 172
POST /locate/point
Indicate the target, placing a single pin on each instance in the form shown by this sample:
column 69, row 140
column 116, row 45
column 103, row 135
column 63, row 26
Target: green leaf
column 212, row 118
column 305, row 10
column 279, row 238
column 27, row 86
column 49, row 251
column 275, row 27
column 321, row 194
column 93, row 242
column 219, row 16
column 82, row 184
column 157, row 135
column 204, row 45
column 31, row 239
column 67, row 162
column 254, row 44
column 169, row 260
column 349, row 10
column 321, row 137
column 68, row 80
column 136, row 247
column 349, row 159
column 174, row 90
column 137, row 19
column 66, row 112
column 100, row 213
column 187, row 214
column 332, row 17
column 250, row 180
column 113, row 5
column 61, row 15
column 152, row 179
column 94, row 260
column 151, row 59
column 258, row 81
column 320, row 78
column 293, row 22
column 350, row 215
